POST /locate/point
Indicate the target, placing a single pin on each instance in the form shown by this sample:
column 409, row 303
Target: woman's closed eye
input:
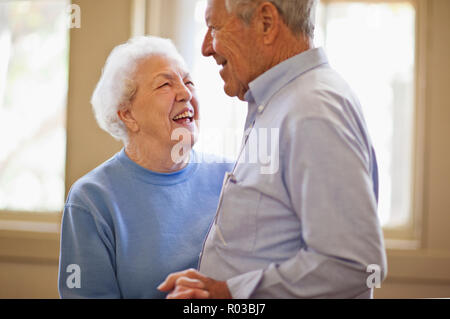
column 163, row 85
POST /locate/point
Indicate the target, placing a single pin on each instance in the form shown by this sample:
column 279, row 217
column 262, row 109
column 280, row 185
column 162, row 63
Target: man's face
column 232, row 44
column 164, row 100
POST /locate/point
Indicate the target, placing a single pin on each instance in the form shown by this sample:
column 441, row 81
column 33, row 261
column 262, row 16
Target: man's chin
column 233, row 91
column 230, row 91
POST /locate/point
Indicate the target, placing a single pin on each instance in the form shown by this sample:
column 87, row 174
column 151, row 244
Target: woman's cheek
column 195, row 104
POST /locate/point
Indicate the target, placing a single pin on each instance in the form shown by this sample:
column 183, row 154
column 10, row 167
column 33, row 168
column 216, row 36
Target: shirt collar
column 267, row 84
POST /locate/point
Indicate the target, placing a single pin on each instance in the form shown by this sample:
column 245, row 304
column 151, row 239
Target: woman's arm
column 87, row 257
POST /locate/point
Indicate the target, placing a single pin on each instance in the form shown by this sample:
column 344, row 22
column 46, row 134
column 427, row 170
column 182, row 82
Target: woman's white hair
column 298, row 15
column 116, row 86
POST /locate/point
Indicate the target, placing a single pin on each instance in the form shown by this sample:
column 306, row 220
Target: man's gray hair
column 298, row 15
column 116, row 86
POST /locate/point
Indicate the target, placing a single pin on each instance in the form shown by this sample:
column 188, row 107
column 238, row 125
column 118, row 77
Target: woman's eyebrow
column 167, row 76
column 170, row 76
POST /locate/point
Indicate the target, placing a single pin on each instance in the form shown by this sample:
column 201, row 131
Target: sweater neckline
column 157, row 178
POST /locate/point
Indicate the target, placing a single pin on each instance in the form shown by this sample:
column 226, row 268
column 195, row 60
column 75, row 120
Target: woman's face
column 164, row 101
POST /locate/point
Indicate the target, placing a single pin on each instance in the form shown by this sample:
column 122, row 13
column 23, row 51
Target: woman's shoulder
column 94, row 183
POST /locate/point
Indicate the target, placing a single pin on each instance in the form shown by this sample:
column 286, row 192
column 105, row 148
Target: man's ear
column 128, row 119
column 269, row 20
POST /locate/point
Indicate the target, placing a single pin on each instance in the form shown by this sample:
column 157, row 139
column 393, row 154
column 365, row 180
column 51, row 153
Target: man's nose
column 207, row 46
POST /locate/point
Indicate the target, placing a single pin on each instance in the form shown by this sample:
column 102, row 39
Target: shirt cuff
column 242, row 286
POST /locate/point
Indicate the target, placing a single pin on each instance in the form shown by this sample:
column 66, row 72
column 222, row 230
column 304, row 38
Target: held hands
column 190, row 284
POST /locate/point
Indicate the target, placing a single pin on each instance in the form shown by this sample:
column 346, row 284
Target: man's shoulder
column 320, row 96
column 320, row 93
column 316, row 85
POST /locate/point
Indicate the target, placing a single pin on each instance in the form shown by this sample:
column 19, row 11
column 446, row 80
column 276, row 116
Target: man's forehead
column 214, row 8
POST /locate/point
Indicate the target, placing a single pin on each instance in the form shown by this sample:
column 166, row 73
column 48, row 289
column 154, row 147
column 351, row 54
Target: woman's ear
column 126, row 116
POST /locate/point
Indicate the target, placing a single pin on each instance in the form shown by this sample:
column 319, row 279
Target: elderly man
column 310, row 228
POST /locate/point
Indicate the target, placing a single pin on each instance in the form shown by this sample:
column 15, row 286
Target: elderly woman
column 145, row 212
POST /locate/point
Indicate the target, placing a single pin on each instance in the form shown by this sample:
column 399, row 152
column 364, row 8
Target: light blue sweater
column 125, row 228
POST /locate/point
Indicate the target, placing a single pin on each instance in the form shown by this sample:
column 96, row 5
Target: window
column 222, row 117
column 372, row 45
column 33, row 88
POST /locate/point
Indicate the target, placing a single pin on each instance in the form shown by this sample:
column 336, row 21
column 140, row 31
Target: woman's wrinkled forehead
column 160, row 65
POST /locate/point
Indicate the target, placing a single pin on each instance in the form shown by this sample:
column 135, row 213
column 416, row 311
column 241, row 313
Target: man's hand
column 190, row 284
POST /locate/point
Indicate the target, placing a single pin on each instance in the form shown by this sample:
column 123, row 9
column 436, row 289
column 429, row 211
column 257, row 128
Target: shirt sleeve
column 86, row 252
column 327, row 175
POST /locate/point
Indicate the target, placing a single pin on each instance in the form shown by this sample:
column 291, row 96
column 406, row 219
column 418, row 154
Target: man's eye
column 189, row 83
column 212, row 30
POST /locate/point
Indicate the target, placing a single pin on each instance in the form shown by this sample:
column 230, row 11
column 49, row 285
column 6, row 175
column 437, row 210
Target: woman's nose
column 184, row 94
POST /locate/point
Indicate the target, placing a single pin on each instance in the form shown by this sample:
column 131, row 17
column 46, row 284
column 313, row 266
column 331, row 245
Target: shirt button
column 260, row 108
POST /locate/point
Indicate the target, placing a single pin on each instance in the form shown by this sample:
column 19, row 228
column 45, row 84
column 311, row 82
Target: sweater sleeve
column 87, row 256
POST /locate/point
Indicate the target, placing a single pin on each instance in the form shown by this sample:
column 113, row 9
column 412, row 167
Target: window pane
column 372, row 45
column 222, row 117
column 33, row 89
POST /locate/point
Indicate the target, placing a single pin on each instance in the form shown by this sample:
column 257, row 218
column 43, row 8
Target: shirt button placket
column 260, row 109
